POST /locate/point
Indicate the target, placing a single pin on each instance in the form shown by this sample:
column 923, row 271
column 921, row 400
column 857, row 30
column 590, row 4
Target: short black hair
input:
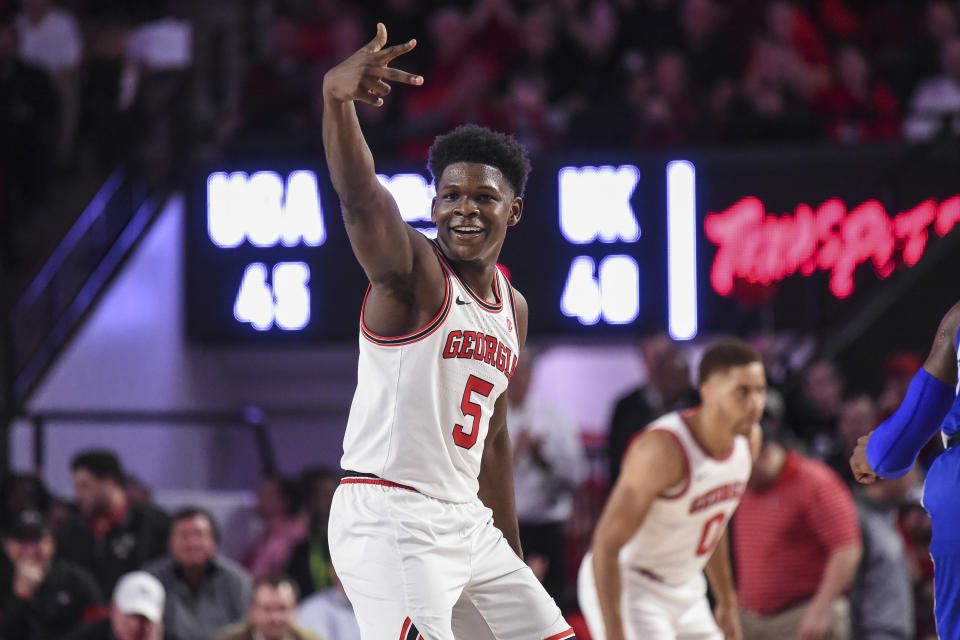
column 101, row 463
column 473, row 143
column 192, row 511
column 725, row 354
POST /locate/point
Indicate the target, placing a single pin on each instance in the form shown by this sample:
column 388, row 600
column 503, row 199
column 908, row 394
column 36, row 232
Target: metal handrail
column 249, row 417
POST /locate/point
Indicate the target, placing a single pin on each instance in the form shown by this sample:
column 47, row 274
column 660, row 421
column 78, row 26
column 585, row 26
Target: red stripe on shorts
column 382, row 483
column 406, row 625
column 563, row 634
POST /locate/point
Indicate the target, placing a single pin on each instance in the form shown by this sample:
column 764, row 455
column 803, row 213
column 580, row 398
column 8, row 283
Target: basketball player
column 890, row 451
column 665, row 520
column 423, row 528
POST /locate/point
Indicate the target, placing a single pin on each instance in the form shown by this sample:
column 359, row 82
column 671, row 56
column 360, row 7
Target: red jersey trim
column 376, row 481
column 486, row 306
column 403, row 631
column 686, row 458
column 563, row 635
column 513, row 303
column 395, row 341
column 723, row 458
column 687, row 470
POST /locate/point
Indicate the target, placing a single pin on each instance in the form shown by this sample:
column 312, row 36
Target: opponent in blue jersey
column 932, row 402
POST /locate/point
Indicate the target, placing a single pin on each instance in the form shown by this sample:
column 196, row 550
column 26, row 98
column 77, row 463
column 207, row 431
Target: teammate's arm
column 892, row 448
column 653, row 463
column 496, row 476
column 385, row 246
column 720, row 576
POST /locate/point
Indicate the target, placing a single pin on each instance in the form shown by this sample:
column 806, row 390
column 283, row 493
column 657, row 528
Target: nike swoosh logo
column 459, row 301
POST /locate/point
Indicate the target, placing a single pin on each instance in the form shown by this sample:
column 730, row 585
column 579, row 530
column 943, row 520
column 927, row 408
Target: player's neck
column 479, row 277
column 714, row 436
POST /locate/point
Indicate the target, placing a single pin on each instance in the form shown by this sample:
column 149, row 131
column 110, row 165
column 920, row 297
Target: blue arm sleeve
column 894, row 446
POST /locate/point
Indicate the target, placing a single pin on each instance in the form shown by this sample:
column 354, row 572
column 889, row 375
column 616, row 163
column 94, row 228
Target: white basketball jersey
column 685, row 523
column 423, row 402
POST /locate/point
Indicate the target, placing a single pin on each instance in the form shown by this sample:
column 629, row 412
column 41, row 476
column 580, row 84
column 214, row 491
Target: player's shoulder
column 951, row 320
column 657, row 439
column 655, row 458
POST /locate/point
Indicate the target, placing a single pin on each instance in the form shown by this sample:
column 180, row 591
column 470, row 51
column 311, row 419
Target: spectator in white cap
column 136, row 612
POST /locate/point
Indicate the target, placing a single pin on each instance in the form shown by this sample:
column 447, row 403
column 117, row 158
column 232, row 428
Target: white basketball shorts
column 651, row 610
column 417, row 567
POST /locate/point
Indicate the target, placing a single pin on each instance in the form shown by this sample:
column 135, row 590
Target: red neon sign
column 764, row 249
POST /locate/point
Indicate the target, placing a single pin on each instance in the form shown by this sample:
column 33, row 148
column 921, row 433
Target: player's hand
column 859, row 464
column 363, row 75
column 728, row 619
column 815, row 624
column 27, row 578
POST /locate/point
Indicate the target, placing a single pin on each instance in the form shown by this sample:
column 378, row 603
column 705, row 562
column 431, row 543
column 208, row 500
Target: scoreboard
column 608, row 243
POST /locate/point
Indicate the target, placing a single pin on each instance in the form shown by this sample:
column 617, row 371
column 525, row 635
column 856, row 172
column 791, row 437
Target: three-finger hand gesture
column 364, row 75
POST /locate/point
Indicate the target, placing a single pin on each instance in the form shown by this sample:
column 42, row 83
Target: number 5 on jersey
column 471, row 409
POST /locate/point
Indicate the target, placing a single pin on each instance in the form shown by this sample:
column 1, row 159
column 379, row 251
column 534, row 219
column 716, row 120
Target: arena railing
column 251, row 418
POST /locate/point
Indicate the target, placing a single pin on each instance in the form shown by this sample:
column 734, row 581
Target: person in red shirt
column 857, row 106
column 796, row 541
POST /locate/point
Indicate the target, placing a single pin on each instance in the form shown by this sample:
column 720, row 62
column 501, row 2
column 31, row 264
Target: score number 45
column 282, row 300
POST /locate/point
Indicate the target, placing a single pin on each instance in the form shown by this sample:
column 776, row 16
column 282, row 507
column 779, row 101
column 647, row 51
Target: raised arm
column 382, row 242
column 892, row 448
column 654, row 463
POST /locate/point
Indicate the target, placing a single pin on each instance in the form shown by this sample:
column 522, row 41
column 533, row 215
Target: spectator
column 309, row 565
column 814, row 411
column 278, row 506
column 47, row 598
column 50, row 38
column 271, row 614
column 548, row 466
column 935, row 107
column 882, row 597
column 277, row 94
column 204, row 591
column 712, row 54
column 796, row 519
column 21, row 491
column 858, row 417
column 111, row 536
column 329, row 613
column 923, row 57
column 807, row 56
column 669, row 113
column 857, row 106
column 136, row 612
column 667, row 389
column 459, row 83
column 771, row 104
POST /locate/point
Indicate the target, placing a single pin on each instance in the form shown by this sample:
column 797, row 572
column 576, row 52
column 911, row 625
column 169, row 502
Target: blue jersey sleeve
column 894, row 446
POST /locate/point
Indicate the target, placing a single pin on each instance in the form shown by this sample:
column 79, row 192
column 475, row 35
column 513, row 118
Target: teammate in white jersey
column 423, row 529
column 665, row 520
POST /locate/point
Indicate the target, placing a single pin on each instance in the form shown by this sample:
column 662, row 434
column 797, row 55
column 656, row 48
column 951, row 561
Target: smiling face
column 474, row 206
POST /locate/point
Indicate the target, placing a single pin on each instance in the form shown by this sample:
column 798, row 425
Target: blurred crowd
column 94, row 83
column 628, row 74
column 109, row 564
